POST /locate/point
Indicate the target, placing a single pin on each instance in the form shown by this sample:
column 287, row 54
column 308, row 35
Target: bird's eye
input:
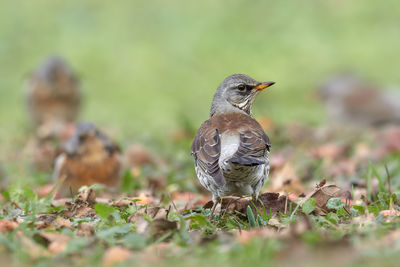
column 241, row 87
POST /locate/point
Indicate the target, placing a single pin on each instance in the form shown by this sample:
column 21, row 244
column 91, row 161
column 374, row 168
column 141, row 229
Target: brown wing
column 254, row 146
column 206, row 149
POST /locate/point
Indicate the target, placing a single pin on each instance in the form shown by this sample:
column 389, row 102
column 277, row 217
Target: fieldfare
column 349, row 99
column 89, row 158
column 231, row 149
column 46, row 145
column 53, row 93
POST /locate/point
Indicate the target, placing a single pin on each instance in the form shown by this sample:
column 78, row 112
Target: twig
column 286, row 200
column 173, row 203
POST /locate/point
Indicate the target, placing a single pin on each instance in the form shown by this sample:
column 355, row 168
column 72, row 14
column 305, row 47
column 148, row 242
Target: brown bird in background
column 53, row 93
column 46, row 145
column 89, row 158
column 349, row 99
column 231, row 149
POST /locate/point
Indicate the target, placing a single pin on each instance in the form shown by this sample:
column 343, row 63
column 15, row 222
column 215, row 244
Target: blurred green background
column 145, row 64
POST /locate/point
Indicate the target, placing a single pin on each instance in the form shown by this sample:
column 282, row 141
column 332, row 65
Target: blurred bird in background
column 89, row 157
column 44, row 147
column 231, row 149
column 348, row 99
column 53, row 93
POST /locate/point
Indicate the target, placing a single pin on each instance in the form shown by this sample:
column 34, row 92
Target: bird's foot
column 254, row 198
column 215, row 203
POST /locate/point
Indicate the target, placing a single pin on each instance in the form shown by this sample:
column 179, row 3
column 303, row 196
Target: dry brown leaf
column 85, row 229
column 344, row 167
column 87, row 195
column 390, row 213
column 285, row 180
column 137, row 155
column 156, row 253
column 144, row 199
column 161, row 227
column 7, row 226
column 322, row 193
column 330, row 151
column 245, row 236
column 362, row 152
column 122, row 202
column 156, row 183
column 44, row 221
column 61, row 202
column 388, row 142
column 115, row 255
column 299, row 134
column 56, row 242
column 272, row 202
column 44, row 190
column 59, row 223
column 189, row 199
column 35, row 250
column 82, row 206
column 142, row 225
column 276, row 223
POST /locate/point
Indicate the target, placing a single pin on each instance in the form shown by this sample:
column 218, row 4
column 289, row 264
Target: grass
column 142, row 65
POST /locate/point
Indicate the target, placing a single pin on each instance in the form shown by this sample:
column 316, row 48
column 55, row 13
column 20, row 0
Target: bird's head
column 57, row 75
column 237, row 94
column 90, row 143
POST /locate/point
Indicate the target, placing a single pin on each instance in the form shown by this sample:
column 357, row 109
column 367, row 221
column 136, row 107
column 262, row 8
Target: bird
column 231, row 149
column 89, row 157
column 44, row 147
column 53, row 92
column 351, row 100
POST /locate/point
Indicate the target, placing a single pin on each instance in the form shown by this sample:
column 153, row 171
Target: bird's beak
column 263, row 85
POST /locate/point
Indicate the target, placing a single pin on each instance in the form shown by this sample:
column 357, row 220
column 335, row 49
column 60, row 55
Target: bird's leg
column 254, row 198
column 215, row 200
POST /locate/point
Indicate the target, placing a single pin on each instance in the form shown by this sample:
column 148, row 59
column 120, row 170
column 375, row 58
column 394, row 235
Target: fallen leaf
column 285, row 180
column 322, row 193
column 344, row 167
column 189, row 199
column 85, row 229
column 276, row 223
column 115, row 255
column 7, row 226
column 388, row 141
column 60, row 223
column 330, row 151
column 44, row 190
column 35, row 250
column 56, row 242
column 390, row 213
column 245, row 236
column 86, row 195
column 137, row 155
column 161, row 227
column 272, row 202
column 82, row 206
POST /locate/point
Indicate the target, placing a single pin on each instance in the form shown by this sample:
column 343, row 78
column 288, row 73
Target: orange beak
column 263, row 85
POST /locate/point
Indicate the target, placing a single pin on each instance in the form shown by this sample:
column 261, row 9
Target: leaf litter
column 160, row 215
